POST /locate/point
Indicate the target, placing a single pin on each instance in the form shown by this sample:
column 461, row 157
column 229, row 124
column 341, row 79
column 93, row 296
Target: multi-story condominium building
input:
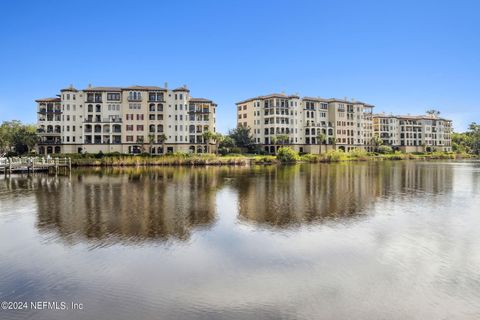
column 414, row 133
column 307, row 124
column 124, row 119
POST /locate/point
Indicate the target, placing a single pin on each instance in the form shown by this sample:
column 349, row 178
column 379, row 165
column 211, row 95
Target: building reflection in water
column 132, row 205
column 290, row 196
column 137, row 205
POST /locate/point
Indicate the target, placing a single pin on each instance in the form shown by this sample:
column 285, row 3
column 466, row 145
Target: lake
column 367, row 240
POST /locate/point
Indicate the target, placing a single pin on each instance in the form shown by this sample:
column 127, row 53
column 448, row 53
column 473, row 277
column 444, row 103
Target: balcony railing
column 104, row 120
column 44, row 111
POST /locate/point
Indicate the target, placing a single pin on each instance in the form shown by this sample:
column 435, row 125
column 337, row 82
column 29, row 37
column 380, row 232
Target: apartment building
column 414, row 133
column 131, row 119
column 307, row 124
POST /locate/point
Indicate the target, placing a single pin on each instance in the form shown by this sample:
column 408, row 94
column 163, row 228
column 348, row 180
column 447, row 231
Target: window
column 113, row 96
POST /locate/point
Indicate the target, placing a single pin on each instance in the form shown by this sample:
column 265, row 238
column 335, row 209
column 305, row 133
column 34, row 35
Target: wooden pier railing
column 34, row 164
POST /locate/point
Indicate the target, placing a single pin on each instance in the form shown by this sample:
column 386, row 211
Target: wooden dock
column 34, row 164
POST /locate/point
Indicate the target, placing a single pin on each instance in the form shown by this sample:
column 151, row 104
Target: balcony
column 50, row 141
column 50, row 111
column 89, row 100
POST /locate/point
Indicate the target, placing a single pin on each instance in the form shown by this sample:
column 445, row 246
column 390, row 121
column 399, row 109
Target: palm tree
column 376, row 142
column 161, row 139
column 273, row 140
column 433, row 112
column 151, row 140
column 321, row 139
column 282, row 139
column 207, row 136
column 218, row 139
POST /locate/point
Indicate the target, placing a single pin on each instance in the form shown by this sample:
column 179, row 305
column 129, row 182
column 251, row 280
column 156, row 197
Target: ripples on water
column 392, row 240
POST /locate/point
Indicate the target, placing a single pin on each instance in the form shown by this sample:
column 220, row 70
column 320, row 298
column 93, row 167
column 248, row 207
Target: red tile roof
column 48, row 100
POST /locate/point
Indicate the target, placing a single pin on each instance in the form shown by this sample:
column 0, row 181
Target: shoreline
column 247, row 160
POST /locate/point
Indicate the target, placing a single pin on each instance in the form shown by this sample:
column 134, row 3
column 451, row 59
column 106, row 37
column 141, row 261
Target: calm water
column 393, row 240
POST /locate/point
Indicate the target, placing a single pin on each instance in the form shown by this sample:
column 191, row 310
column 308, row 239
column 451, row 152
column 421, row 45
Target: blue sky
column 402, row 56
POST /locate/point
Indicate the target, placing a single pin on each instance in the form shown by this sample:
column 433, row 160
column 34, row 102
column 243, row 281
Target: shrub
column 335, row 155
column 311, row 157
column 384, row 149
column 236, row 150
column 223, row 151
column 358, row 154
column 286, row 154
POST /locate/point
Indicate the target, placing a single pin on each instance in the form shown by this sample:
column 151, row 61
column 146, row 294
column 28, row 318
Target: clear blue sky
column 402, row 56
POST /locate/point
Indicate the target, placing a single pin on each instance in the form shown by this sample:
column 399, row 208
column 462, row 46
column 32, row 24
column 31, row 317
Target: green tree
column 474, row 136
column 227, row 142
column 218, row 139
column 242, row 137
column 274, row 141
column 161, row 139
column 151, row 140
column 207, row 137
column 15, row 136
column 283, row 139
column 433, row 112
column 321, row 138
column 287, row 155
column 461, row 142
column 376, row 142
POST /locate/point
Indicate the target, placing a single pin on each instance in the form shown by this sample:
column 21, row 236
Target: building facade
column 132, row 119
column 414, row 133
column 307, row 124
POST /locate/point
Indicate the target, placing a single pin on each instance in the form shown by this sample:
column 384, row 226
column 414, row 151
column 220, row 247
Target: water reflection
column 133, row 205
column 164, row 203
column 288, row 196
column 392, row 240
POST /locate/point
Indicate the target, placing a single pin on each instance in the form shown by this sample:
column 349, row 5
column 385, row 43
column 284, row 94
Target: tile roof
column 410, row 117
column 282, row 95
column 181, row 89
column 103, row 89
column 268, row 96
column 71, row 88
column 148, row 88
column 200, row 100
column 48, row 100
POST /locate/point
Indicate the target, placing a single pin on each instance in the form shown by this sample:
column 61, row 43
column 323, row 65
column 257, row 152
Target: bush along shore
column 285, row 155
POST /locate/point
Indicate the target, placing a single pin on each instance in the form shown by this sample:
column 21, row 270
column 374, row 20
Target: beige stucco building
column 414, row 133
column 124, row 119
column 311, row 124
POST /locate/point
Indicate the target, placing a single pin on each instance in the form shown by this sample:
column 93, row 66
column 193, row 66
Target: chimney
column 89, row 85
column 165, row 85
column 71, row 86
column 185, row 86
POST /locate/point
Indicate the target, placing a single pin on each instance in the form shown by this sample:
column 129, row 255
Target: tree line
column 17, row 138
column 468, row 141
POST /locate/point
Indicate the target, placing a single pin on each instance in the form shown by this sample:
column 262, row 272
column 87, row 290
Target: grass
column 186, row 159
column 119, row 160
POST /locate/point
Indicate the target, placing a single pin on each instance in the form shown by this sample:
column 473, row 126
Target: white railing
column 34, row 162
